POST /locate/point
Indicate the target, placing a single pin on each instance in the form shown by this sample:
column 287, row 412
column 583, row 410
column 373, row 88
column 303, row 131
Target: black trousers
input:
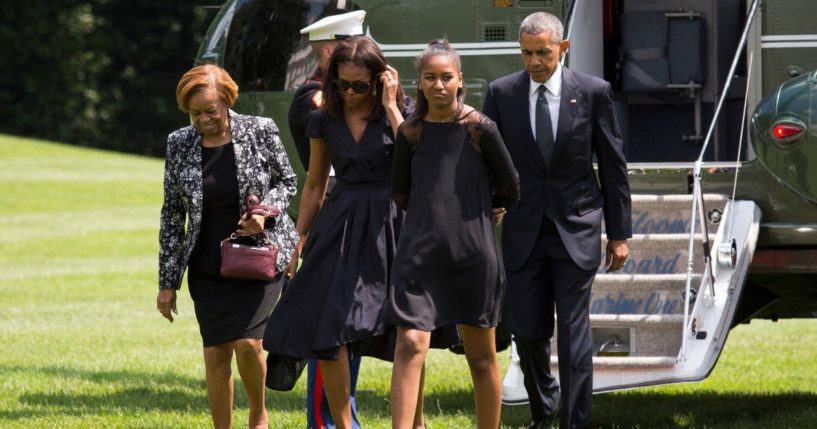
column 551, row 279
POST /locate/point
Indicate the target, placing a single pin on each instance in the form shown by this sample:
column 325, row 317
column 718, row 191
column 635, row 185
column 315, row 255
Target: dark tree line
column 98, row 73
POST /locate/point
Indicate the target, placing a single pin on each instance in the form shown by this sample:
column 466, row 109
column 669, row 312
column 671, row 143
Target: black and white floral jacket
column 263, row 169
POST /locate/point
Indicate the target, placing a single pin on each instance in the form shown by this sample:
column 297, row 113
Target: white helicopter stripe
column 461, row 52
column 464, row 49
column 789, row 41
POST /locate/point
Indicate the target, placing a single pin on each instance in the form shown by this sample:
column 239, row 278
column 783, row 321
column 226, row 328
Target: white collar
column 554, row 84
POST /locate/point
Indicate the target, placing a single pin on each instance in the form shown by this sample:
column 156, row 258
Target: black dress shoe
column 545, row 423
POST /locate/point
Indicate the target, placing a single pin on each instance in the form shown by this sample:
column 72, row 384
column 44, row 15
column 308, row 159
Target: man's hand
column 617, row 252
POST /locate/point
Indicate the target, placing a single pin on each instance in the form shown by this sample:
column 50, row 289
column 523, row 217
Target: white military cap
column 336, row 27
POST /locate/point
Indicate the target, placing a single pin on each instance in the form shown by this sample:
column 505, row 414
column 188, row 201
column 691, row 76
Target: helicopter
column 717, row 104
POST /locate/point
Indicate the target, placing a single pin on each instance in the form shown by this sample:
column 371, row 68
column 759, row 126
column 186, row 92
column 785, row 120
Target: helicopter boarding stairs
column 642, row 334
column 665, row 317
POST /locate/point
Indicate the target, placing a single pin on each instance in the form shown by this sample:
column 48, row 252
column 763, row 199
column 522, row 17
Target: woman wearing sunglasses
column 333, row 307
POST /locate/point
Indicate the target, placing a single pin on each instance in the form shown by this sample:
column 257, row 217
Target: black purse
column 283, row 372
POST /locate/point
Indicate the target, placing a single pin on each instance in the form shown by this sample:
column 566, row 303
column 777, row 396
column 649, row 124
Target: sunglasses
column 359, row 87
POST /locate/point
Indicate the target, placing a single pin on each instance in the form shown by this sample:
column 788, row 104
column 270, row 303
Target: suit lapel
column 521, row 92
column 568, row 106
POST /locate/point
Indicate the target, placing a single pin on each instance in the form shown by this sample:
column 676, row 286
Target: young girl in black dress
column 455, row 177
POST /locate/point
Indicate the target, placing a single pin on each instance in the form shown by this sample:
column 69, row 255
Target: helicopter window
column 265, row 50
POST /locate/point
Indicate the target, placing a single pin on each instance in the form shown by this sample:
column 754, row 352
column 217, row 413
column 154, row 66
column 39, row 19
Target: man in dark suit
column 554, row 120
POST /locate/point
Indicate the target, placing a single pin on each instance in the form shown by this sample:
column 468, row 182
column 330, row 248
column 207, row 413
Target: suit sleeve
column 303, row 103
column 490, row 109
column 171, row 225
column 503, row 174
column 401, row 171
column 283, row 181
column 608, row 146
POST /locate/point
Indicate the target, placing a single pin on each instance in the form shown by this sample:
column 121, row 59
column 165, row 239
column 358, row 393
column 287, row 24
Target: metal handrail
column 696, row 186
column 568, row 30
column 571, row 11
column 706, row 246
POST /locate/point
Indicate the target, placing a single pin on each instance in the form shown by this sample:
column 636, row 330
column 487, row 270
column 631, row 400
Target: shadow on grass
column 115, row 392
column 706, row 409
column 642, row 410
column 135, row 392
column 439, row 405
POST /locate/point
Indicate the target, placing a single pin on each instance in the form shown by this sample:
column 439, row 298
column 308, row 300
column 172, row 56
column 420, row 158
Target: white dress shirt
column 553, row 94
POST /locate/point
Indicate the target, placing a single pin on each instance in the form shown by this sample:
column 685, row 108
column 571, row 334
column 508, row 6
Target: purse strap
column 234, row 236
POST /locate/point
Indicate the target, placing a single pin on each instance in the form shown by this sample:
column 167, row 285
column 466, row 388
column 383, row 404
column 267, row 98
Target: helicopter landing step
column 638, row 313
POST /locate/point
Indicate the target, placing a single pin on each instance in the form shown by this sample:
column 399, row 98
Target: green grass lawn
column 82, row 345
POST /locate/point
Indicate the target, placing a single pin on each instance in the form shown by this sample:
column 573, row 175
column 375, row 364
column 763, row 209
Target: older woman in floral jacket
column 211, row 167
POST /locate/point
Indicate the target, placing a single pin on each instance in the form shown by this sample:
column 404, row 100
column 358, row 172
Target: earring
column 374, row 90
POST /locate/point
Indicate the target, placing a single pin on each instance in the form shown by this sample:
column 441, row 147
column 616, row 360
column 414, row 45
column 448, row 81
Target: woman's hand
column 390, row 82
column 250, row 225
column 166, row 303
column 498, row 214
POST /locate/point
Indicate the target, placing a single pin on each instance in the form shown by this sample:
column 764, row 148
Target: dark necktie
column 544, row 128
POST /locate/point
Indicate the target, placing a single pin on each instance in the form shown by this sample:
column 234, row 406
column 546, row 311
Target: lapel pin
column 572, row 101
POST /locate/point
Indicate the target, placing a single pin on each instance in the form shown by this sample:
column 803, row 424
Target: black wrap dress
column 338, row 295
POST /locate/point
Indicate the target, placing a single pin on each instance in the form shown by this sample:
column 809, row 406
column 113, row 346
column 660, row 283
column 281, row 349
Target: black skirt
column 232, row 309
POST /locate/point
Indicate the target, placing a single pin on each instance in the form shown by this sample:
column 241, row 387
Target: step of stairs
column 639, row 293
column 670, row 214
column 601, row 363
column 660, row 254
column 650, row 335
column 643, row 335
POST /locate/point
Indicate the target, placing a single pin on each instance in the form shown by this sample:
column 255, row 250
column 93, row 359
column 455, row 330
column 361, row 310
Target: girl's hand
column 293, row 260
column 498, row 214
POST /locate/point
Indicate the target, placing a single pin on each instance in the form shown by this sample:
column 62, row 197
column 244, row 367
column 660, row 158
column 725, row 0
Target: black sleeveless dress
column 226, row 309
